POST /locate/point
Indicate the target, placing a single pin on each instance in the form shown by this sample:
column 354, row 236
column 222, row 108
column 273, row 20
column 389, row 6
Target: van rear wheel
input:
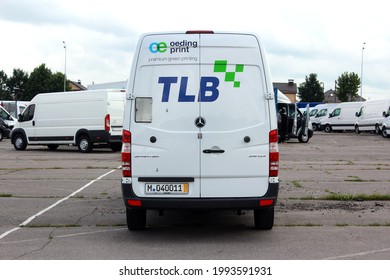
column 136, row 219
column 84, row 144
column 264, row 219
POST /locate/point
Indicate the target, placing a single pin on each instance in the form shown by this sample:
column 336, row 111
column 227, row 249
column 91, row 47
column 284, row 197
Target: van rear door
column 165, row 145
column 234, row 154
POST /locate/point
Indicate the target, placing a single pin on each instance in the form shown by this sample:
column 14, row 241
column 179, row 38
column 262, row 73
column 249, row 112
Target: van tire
column 84, row 144
column 264, row 219
column 357, row 131
column 328, row 128
column 1, row 135
column 377, row 129
column 53, row 147
column 302, row 138
column 20, row 142
column 384, row 132
column 136, row 219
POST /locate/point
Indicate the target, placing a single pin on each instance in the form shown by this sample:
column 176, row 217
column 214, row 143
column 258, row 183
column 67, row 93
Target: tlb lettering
column 208, row 90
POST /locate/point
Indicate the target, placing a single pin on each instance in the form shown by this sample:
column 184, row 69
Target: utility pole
column 65, row 66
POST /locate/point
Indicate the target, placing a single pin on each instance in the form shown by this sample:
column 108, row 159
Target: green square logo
column 239, row 68
column 220, row 65
column 229, row 76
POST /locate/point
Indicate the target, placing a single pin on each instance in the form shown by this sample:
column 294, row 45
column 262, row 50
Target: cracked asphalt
column 91, row 223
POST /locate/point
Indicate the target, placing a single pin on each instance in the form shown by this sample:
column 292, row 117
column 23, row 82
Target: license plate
column 166, row 188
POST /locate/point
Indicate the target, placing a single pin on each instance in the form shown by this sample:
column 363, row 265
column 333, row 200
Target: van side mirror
column 20, row 118
column 357, row 114
column 385, row 114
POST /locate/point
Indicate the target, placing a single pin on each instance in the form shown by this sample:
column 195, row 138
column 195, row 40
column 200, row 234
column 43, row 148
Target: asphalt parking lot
column 333, row 204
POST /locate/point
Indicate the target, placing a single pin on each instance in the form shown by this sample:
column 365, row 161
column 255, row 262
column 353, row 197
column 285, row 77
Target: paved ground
column 70, row 212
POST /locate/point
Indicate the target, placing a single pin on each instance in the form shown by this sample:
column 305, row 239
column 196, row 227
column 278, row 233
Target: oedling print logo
column 174, row 46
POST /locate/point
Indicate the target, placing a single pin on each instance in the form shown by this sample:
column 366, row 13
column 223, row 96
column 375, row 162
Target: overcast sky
column 301, row 37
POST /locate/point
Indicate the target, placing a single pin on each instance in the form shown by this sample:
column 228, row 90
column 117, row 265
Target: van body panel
column 206, row 115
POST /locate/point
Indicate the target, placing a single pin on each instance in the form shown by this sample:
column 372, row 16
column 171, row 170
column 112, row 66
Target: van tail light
column 126, row 153
column 273, row 153
column 107, row 122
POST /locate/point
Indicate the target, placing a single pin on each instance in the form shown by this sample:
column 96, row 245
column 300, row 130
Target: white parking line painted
column 26, row 222
column 359, row 254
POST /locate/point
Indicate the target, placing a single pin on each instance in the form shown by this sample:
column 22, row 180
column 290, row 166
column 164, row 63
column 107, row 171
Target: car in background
column 4, row 130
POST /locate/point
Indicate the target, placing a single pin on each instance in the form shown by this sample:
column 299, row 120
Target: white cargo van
column 321, row 111
column 343, row 117
column 200, row 127
column 371, row 115
column 84, row 118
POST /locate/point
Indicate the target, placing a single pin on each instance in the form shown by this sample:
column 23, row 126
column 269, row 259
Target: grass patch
column 351, row 197
column 296, row 184
column 302, row 225
column 114, row 225
column 353, row 179
column 5, row 195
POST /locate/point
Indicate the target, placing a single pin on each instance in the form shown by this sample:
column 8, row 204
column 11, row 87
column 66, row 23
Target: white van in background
column 83, row 118
column 371, row 115
column 200, row 127
column 7, row 118
column 343, row 117
column 321, row 111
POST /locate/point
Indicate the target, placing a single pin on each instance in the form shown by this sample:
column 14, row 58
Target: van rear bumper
column 240, row 203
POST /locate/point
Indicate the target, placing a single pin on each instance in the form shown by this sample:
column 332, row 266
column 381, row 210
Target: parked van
column 372, row 115
column 200, row 127
column 7, row 118
column 343, row 117
column 83, row 118
column 319, row 112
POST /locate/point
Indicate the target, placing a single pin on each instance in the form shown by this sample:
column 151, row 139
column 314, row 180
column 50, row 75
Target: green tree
column 347, row 87
column 4, row 92
column 43, row 80
column 311, row 90
column 17, row 85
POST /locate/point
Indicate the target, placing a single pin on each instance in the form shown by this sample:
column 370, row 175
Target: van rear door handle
column 211, row 151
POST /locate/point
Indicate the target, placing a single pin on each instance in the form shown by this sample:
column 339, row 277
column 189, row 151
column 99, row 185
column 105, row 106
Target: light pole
column 65, row 66
column 361, row 75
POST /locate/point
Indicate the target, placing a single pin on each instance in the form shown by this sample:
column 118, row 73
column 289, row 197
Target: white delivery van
column 321, row 111
column 200, row 127
column 371, row 115
column 86, row 119
column 343, row 117
column 7, row 118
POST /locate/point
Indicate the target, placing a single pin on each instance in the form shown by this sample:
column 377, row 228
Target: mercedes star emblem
column 200, row 122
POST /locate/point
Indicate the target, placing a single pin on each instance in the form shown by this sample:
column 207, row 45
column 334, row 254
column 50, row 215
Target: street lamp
column 65, row 66
column 361, row 75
